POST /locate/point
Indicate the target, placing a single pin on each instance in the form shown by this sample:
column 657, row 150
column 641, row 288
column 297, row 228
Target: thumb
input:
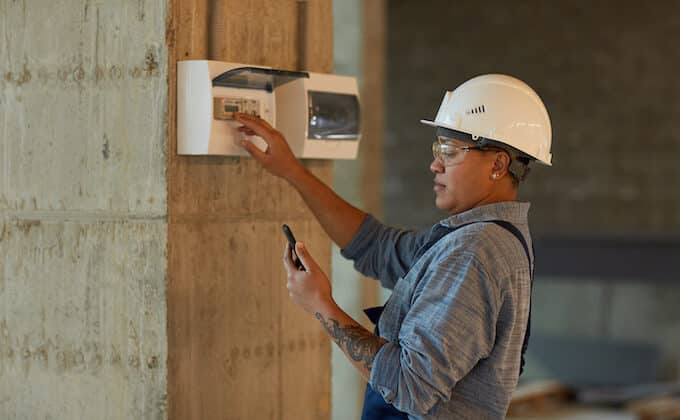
column 253, row 150
column 305, row 257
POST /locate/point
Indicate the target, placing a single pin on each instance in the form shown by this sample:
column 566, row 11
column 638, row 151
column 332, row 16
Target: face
column 465, row 181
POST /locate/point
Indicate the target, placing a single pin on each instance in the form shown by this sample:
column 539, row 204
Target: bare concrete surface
column 83, row 109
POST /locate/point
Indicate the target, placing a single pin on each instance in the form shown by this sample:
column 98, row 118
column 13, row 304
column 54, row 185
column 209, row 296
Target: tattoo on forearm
column 360, row 344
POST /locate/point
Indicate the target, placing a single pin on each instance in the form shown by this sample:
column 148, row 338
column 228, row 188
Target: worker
column 450, row 341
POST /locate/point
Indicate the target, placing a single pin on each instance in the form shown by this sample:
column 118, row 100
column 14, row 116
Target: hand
column 310, row 289
column 278, row 159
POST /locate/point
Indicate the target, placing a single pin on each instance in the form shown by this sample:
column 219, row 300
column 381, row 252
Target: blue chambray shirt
column 456, row 318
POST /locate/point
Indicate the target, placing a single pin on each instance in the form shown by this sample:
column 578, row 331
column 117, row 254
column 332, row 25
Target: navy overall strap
column 437, row 233
column 513, row 229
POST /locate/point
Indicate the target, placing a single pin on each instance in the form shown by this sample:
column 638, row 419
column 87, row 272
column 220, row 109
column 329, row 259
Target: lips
column 438, row 187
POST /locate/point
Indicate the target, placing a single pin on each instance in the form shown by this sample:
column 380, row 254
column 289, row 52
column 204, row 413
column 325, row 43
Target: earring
column 495, row 175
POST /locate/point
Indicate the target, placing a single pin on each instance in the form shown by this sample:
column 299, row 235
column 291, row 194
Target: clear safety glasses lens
column 447, row 153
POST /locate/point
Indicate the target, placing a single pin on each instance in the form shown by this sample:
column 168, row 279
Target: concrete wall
column 359, row 51
column 87, row 212
column 83, row 104
column 347, row 384
column 607, row 72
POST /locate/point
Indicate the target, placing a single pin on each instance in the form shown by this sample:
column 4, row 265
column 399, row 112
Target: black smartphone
column 291, row 241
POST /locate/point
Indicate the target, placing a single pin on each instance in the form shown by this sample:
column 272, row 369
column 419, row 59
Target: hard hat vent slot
column 476, row 110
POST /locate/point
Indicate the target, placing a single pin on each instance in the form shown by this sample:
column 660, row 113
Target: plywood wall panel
column 307, row 361
column 238, row 349
column 255, row 32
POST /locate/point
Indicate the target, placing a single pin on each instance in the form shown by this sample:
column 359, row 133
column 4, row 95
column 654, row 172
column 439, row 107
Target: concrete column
column 83, row 106
column 359, row 51
column 101, row 223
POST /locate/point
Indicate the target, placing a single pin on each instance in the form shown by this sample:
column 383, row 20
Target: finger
column 248, row 131
column 253, row 150
column 258, row 125
column 253, row 118
column 304, row 256
column 287, row 263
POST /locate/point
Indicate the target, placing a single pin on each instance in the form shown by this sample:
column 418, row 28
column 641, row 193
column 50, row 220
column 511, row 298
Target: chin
column 441, row 204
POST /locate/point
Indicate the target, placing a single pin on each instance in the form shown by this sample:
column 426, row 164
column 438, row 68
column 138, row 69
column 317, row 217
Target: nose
column 437, row 167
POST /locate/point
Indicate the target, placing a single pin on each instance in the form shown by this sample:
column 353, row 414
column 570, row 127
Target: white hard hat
column 501, row 109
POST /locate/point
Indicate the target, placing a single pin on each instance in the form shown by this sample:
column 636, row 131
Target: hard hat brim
column 434, row 124
column 428, row 122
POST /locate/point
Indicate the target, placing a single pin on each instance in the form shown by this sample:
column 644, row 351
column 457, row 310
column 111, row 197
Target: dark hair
column 519, row 161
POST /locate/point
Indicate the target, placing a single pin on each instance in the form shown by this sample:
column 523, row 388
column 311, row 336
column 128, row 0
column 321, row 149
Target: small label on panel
column 224, row 108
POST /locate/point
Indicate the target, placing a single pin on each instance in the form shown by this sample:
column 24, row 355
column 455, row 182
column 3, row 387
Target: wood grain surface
column 237, row 347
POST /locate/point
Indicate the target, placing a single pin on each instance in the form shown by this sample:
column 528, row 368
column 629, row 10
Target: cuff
column 385, row 371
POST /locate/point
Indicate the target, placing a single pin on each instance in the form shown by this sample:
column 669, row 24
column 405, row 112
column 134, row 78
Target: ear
column 501, row 165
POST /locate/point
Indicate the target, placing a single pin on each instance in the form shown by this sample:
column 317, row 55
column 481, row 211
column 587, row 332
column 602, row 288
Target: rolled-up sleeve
column 383, row 252
column 449, row 328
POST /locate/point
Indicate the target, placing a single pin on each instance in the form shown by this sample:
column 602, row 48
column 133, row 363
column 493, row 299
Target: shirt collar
column 510, row 211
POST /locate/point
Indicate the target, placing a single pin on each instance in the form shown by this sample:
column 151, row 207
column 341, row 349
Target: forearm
column 338, row 218
column 359, row 345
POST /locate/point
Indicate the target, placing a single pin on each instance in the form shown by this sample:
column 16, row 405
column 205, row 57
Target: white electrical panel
column 319, row 116
column 205, row 123
column 317, row 113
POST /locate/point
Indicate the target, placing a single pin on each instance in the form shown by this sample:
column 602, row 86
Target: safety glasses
column 450, row 153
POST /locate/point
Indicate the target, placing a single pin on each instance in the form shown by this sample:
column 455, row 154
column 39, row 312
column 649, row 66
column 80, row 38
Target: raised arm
column 338, row 218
